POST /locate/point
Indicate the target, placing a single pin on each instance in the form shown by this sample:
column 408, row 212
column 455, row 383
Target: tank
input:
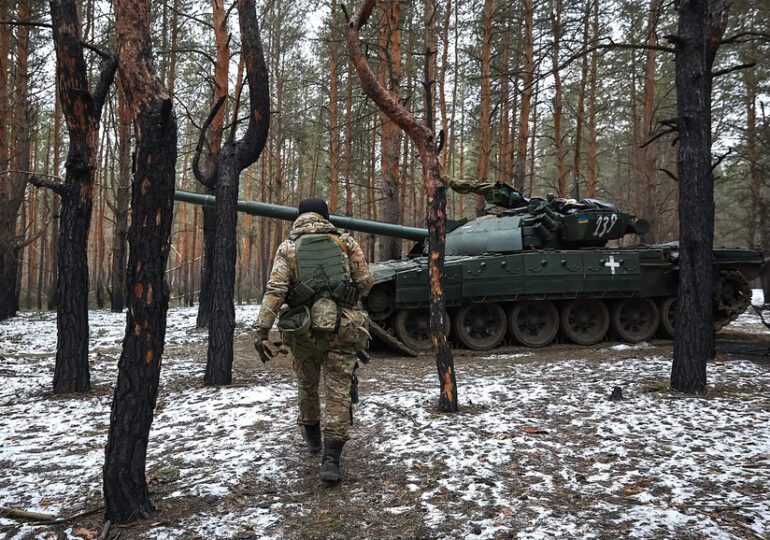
column 532, row 271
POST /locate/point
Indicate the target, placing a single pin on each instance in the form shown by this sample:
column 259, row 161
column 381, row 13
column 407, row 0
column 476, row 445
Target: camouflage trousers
column 311, row 356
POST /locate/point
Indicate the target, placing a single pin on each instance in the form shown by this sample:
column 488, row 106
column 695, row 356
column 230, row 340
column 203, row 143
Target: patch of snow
column 630, row 346
column 505, row 356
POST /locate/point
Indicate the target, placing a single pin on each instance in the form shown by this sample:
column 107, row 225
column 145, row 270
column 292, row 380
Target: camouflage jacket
column 284, row 272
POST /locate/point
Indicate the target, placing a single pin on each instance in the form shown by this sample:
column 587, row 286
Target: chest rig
column 322, row 271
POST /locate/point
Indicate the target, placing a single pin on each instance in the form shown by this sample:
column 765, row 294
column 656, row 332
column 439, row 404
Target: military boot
column 312, row 435
column 330, row 465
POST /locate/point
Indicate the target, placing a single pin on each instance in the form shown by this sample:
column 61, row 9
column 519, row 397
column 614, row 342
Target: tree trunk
column 390, row 77
column 334, row 127
column 13, row 185
column 650, row 151
column 221, row 71
column 700, row 29
column 424, row 139
column 122, row 199
column 232, row 158
column 219, row 366
column 592, row 166
column 520, row 167
column 125, row 486
column 556, row 28
column 8, row 199
column 207, row 264
column 581, row 107
column 482, row 172
column 503, row 172
column 83, row 112
column 348, row 143
column 53, row 284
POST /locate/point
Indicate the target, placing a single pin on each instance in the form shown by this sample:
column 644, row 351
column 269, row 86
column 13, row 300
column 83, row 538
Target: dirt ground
column 537, row 450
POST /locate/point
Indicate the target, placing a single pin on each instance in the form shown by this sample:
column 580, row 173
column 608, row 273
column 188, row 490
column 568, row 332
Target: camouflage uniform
column 321, row 349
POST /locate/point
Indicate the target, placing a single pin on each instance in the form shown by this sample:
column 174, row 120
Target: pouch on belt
column 294, row 324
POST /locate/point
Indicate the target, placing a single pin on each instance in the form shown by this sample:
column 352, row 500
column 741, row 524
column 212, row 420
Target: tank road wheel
column 585, row 321
column 635, row 319
column 533, row 323
column 480, row 326
column 413, row 328
column 667, row 308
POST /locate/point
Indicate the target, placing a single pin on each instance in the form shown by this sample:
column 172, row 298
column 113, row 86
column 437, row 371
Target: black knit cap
column 314, row 204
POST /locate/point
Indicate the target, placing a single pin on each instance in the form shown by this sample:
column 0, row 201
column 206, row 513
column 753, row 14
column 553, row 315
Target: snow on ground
column 537, row 450
column 545, row 457
column 35, row 333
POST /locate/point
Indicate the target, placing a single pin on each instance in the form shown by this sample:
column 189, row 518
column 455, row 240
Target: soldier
column 321, row 274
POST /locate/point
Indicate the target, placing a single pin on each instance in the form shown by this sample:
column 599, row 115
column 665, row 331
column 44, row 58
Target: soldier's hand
column 262, row 345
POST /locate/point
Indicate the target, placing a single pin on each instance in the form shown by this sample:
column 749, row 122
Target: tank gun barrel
column 288, row 213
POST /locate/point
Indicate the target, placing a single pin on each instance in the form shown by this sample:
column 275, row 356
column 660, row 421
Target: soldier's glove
column 262, row 345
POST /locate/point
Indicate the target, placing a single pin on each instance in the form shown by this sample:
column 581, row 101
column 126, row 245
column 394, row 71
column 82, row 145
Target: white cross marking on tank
column 612, row 264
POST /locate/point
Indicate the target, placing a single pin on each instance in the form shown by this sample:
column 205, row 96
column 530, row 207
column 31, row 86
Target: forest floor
column 537, row 450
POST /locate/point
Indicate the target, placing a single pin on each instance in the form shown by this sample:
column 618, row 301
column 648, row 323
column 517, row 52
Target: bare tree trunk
column 442, row 80
column 503, row 168
column 520, row 167
column 221, row 72
column 53, row 284
column 334, row 127
column 125, row 486
column 233, row 157
column 349, row 142
column 556, row 26
column 650, row 151
column 424, row 139
column 701, row 28
column 592, row 168
column 581, row 107
column 83, row 112
column 482, row 172
column 13, row 185
column 122, row 199
column 390, row 77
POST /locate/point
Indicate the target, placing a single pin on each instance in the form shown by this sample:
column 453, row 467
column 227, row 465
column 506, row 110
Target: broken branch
column 40, row 182
column 206, row 180
column 726, row 71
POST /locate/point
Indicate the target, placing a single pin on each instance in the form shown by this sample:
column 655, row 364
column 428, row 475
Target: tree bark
column 482, row 172
column 650, row 151
column 125, row 487
column 424, row 139
column 233, row 157
column 558, row 140
column 581, row 107
column 592, row 165
column 221, row 72
column 82, row 110
column 122, row 199
column 520, row 167
column 13, row 184
column 700, row 29
column 334, row 127
column 390, row 77
column 53, row 284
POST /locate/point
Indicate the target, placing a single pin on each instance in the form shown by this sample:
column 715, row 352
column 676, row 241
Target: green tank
column 532, row 270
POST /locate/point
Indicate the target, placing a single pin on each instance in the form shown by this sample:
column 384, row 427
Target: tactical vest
column 321, row 271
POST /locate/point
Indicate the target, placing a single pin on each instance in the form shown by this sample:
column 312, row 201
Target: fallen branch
column 18, row 513
column 37, row 518
column 397, row 411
